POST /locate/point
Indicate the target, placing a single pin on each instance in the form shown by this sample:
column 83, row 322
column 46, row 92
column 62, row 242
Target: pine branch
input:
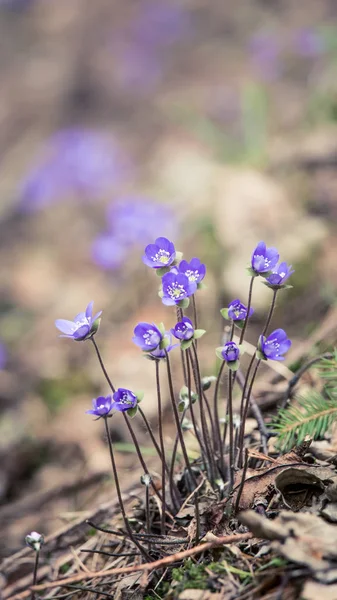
column 314, row 414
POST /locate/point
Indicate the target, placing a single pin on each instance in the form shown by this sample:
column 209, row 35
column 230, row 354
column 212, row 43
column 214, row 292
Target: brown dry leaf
column 297, row 486
column 302, row 538
column 313, row 590
column 261, row 482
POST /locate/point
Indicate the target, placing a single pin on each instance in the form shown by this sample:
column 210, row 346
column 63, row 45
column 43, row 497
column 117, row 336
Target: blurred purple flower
column 101, row 406
column 308, row 43
column 83, row 326
column 274, row 345
column 176, row 287
column 194, row 270
column 147, row 336
column 3, row 356
column 264, row 51
column 78, row 161
column 34, row 540
column 140, row 216
column 280, row 274
column 124, row 400
column 238, row 311
column 160, row 23
column 108, row 251
column 183, row 330
column 160, row 254
column 264, row 259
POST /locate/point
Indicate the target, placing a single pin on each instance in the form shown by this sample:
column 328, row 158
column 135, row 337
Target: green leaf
column 206, row 382
column 224, row 313
column 162, row 271
column 178, row 258
column 165, row 342
column 184, row 303
column 218, row 352
column 185, row 344
column 260, row 355
column 132, row 412
column 198, row 333
column 139, row 396
column 161, row 328
column 201, row 285
column 233, row 365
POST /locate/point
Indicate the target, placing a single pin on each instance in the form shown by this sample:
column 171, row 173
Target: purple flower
column 274, row 345
column 176, row 287
column 160, row 254
column 183, row 330
column 280, row 274
column 238, row 311
column 101, row 406
column 194, row 270
column 34, row 540
column 83, row 326
column 230, row 352
column 159, row 353
column 124, row 400
column 264, row 259
column 265, row 53
column 147, row 336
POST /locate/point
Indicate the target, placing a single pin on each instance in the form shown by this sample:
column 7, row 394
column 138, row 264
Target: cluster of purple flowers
column 180, row 280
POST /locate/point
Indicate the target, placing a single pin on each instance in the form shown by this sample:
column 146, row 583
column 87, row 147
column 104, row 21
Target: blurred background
column 214, row 124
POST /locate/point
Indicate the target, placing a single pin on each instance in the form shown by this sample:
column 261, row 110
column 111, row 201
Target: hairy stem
column 250, row 293
column 120, row 499
column 36, row 564
column 162, row 449
column 102, row 365
column 217, row 441
column 245, row 412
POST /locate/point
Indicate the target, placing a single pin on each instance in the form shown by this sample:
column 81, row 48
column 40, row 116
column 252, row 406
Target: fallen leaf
column 303, row 538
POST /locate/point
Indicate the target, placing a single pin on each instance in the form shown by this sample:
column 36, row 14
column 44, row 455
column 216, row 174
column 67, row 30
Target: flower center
column 192, row 275
column 161, row 256
column 176, row 291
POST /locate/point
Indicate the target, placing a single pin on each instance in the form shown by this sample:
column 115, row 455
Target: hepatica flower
column 264, row 259
column 183, row 330
column 34, row 540
column 82, row 327
column 176, row 287
column 147, row 336
column 194, row 270
column 124, row 400
column 236, row 311
column 101, row 406
column 160, row 254
column 230, row 353
column 279, row 276
column 274, row 346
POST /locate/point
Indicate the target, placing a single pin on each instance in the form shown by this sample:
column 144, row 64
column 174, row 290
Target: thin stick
column 245, row 412
column 120, row 499
column 217, row 441
column 102, row 365
column 157, row 564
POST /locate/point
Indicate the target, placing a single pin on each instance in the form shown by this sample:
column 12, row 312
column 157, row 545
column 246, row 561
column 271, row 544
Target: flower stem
column 139, row 452
column 102, row 365
column 37, row 556
column 270, row 314
column 162, row 449
column 250, row 293
column 217, row 441
column 176, row 416
column 120, row 499
column 231, row 430
column 245, row 412
column 204, row 426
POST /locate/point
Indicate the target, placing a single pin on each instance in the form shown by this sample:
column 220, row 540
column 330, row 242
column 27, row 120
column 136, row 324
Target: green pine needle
column 313, row 415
